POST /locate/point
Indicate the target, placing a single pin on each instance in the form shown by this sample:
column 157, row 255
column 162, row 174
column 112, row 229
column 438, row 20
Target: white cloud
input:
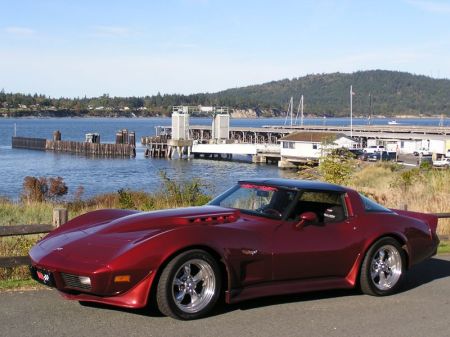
column 19, row 31
column 112, row 31
column 431, row 6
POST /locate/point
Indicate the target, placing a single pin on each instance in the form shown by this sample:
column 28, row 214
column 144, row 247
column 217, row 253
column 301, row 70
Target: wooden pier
column 156, row 147
column 165, row 147
column 83, row 148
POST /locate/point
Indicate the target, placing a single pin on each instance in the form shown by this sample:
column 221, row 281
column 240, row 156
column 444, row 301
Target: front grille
column 73, row 281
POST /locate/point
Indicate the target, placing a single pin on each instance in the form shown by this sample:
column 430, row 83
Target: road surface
column 421, row 309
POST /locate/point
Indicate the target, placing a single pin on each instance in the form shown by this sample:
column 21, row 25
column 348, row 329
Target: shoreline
column 402, row 117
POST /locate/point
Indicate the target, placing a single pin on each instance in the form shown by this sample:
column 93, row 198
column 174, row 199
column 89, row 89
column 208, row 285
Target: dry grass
column 422, row 190
column 13, row 213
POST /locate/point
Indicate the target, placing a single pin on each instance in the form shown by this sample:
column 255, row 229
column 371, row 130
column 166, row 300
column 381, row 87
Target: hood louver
column 208, row 219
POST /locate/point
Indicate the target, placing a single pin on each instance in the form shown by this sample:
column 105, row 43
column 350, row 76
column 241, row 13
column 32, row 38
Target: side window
column 372, row 206
column 328, row 206
column 288, row 145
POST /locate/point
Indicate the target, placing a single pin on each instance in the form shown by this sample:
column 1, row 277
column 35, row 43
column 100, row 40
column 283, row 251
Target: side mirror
column 305, row 218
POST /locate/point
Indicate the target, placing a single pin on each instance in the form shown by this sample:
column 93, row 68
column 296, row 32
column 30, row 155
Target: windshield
column 255, row 199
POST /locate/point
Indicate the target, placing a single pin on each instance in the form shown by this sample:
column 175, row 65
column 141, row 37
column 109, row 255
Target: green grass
column 20, row 284
column 444, row 247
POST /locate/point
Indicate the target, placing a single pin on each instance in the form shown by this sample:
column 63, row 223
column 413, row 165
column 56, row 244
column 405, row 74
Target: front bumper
column 62, row 273
column 134, row 298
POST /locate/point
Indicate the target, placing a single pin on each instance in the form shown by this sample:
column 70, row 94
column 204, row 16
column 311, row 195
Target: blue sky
column 127, row 48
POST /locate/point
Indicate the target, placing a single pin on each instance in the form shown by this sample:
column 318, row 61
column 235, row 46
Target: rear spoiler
column 430, row 219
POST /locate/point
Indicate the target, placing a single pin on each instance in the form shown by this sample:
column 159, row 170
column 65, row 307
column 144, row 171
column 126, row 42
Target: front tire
column 383, row 268
column 189, row 286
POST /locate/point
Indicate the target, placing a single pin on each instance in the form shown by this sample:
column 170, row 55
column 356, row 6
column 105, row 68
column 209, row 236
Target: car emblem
column 250, row 252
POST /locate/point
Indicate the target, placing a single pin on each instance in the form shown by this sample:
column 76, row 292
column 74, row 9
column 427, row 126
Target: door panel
column 316, row 250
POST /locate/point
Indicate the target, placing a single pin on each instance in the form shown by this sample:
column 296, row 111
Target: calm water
column 98, row 175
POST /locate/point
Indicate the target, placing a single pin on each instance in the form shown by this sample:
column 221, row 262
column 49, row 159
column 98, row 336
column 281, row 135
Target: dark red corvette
column 261, row 237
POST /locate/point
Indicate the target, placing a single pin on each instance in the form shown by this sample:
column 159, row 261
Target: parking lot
column 421, row 309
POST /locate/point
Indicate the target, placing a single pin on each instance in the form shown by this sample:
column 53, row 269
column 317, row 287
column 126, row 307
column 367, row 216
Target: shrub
column 125, row 199
column 186, row 193
column 43, row 189
column 337, row 166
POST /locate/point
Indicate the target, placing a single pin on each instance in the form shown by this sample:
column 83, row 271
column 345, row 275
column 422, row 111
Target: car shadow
column 284, row 299
column 148, row 310
column 423, row 273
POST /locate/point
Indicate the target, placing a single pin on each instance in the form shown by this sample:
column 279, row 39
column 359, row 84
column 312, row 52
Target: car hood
column 101, row 240
column 165, row 219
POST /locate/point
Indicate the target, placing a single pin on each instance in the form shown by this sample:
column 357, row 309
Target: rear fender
column 353, row 275
column 430, row 219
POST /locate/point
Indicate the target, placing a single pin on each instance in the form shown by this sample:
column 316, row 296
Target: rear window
column 372, row 206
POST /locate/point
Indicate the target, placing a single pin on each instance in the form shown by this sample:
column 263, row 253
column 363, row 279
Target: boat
column 393, row 122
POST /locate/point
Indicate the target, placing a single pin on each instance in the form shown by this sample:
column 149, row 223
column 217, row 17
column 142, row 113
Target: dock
column 262, row 144
column 123, row 148
column 272, row 133
column 289, row 145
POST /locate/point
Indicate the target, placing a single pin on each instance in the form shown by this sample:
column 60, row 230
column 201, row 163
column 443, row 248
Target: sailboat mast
column 291, row 104
column 287, row 112
column 301, row 116
column 351, row 111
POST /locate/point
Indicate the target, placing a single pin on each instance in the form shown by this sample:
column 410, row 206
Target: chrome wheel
column 190, row 285
column 193, row 286
column 383, row 268
column 386, row 267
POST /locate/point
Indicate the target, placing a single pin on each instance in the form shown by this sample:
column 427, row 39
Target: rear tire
column 383, row 268
column 189, row 286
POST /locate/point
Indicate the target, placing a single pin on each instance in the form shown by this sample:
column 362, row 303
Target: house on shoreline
column 305, row 147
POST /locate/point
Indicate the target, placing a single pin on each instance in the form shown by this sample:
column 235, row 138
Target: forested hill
column 391, row 93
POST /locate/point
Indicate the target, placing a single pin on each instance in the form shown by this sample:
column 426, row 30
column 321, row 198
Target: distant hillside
column 391, row 92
